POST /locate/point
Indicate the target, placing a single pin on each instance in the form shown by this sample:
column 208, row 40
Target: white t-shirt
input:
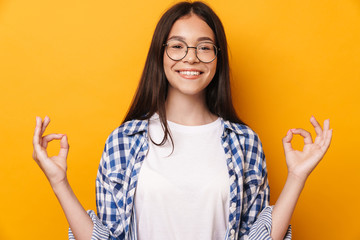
column 184, row 194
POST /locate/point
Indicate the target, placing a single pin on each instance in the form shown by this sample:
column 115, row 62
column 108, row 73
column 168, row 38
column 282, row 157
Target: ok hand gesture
column 54, row 167
column 301, row 163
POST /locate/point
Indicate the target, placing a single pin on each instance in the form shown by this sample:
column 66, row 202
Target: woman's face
column 189, row 76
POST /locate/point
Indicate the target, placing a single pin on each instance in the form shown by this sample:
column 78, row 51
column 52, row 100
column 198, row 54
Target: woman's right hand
column 54, row 167
column 55, row 170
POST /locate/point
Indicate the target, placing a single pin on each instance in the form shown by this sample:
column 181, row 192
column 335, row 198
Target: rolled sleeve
column 99, row 230
column 261, row 229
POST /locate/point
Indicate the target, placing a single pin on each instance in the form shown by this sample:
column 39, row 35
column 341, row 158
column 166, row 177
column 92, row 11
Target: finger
column 321, row 140
column 317, row 126
column 48, row 138
column 45, row 124
column 39, row 154
column 305, row 134
column 36, row 138
column 64, row 147
column 327, row 140
column 326, row 125
column 287, row 142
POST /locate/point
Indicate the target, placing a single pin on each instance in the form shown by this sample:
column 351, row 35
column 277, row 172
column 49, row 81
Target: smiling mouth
column 190, row 73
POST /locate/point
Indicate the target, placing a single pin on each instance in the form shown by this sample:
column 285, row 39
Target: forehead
column 191, row 28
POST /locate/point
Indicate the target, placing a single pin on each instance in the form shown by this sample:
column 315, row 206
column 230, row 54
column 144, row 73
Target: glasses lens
column 206, row 52
column 176, row 50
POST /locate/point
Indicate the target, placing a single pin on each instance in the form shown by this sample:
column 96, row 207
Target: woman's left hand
column 301, row 163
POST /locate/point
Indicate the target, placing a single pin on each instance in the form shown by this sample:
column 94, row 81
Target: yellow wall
column 79, row 62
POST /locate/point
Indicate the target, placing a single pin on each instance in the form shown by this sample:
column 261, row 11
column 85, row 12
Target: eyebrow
column 199, row 39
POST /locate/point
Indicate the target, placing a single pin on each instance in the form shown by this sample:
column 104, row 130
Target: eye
column 205, row 47
column 176, row 45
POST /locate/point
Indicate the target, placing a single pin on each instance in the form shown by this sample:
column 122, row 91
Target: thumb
column 64, row 147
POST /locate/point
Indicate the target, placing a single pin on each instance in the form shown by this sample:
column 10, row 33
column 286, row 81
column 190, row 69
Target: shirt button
column 233, row 207
column 232, row 232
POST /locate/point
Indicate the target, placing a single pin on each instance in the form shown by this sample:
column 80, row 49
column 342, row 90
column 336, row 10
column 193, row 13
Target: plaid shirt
column 124, row 153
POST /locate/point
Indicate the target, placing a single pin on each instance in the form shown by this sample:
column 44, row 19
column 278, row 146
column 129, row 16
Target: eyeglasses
column 176, row 50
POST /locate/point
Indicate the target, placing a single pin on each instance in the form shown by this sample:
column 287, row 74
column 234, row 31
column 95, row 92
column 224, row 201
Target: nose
column 191, row 55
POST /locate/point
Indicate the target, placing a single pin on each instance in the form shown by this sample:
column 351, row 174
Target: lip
column 189, row 70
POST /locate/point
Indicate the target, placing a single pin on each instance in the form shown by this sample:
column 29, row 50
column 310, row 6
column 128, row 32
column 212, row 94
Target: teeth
column 190, row 73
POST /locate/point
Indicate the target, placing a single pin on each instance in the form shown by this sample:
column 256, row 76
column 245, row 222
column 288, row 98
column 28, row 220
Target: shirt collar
column 233, row 127
column 138, row 126
column 135, row 126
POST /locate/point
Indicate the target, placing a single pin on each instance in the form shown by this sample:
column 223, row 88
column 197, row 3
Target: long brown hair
column 151, row 94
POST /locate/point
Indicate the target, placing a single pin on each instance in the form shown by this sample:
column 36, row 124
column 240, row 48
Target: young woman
column 183, row 165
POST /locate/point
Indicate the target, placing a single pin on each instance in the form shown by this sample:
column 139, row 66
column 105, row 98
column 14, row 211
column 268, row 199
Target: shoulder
column 247, row 140
column 122, row 138
column 242, row 131
column 122, row 144
column 127, row 131
column 244, row 138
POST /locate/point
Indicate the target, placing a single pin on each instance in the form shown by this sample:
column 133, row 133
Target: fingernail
column 293, row 129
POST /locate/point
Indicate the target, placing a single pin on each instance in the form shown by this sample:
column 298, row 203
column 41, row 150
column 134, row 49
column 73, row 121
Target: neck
column 188, row 109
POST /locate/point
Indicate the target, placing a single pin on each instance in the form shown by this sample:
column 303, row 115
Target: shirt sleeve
column 256, row 216
column 262, row 226
column 99, row 231
column 107, row 224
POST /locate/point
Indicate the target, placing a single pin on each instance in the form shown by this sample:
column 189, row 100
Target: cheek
column 166, row 66
column 213, row 68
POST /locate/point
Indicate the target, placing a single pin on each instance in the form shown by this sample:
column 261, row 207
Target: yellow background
column 79, row 63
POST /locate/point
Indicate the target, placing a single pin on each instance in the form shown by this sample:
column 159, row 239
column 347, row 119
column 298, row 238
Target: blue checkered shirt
column 124, row 153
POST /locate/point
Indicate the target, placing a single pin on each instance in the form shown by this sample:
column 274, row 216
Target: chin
column 186, row 91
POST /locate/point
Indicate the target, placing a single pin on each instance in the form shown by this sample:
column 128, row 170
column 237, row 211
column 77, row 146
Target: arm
column 55, row 170
column 300, row 164
column 256, row 218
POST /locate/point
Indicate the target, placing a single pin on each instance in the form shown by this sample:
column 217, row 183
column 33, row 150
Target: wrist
column 295, row 179
column 60, row 186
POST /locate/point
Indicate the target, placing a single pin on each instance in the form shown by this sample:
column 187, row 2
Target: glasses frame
column 187, row 50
